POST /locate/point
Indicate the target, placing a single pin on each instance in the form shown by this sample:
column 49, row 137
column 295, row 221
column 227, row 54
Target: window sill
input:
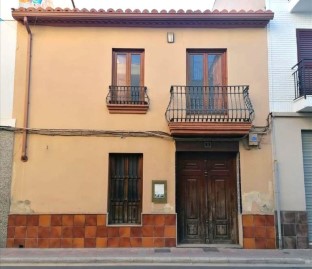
column 127, row 109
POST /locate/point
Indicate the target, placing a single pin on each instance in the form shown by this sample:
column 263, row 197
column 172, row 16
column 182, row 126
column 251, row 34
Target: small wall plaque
column 159, row 191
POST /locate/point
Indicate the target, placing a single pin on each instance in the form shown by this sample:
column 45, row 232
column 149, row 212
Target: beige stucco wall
column 71, row 72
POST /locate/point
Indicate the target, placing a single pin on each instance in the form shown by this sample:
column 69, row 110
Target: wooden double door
column 206, row 198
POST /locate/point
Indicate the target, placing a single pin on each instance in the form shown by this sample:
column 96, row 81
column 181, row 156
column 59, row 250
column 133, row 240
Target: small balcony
column 127, row 100
column 209, row 110
column 303, row 86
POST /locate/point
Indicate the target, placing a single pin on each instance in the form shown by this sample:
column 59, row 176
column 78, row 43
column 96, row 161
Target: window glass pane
column 135, row 69
column 121, row 66
column 214, row 70
column 196, row 70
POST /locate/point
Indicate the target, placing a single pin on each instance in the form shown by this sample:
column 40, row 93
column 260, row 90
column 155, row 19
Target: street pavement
column 151, row 256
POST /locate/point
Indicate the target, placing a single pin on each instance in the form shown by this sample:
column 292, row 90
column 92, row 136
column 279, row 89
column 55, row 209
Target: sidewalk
column 155, row 256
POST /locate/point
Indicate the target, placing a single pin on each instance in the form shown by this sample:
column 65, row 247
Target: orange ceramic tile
column 78, row 242
column 54, row 243
column 159, row 231
column 56, row 220
column 67, row 220
column 101, row 220
column 148, row 231
column 136, row 242
column 45, row 220
column 270, row 232
column 19, row 243
column 90, row 231
column 32, row 220
column 113, row 242
column 44, row 232
column 32, row 232
column 248, row 220
column 78, row 232
column 20, row 232
column 259, row 220
column 101, row 231
column 270, row 220
column 124, row 242
column 11, row 220
column 159, row 220
column 90, row 243
column 136, row 232
column 79, row 220
column 20, row 220
column 56, row 232
column 66, row 242
column 148, row 219
column 112, row 231
column 10, row 232
column 43, row 243
column 159, row 242
column 260, row 243
column 170, row 219
column 10, row 243
column 270, row 244
column 101, row 242
column 170, row 231
column 31, row 243
column 170, row 242
column 124, row 231
column 67, row 232
column 148, row 242
column 91, row 220
column 249, row 243
column 260, row 232
column 248, row 232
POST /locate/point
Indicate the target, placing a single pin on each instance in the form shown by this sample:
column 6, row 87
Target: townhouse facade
column 141, row 129
column 290, row 48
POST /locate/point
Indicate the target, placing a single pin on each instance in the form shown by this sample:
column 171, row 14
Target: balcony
column 209, row 110
column 300, row 6
column 303, row 86
column 127, row 100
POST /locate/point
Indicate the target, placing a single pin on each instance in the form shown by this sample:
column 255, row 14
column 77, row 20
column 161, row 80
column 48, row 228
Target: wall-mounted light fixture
column 170, row 37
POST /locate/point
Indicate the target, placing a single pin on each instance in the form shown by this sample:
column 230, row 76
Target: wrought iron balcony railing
column 303, row 78
column 127, row 95
column 209, row 104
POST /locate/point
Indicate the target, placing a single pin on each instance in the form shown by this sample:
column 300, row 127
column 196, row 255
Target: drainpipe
column 24, row 157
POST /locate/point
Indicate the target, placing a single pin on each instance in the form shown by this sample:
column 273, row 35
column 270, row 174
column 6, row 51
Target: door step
column 209, row 246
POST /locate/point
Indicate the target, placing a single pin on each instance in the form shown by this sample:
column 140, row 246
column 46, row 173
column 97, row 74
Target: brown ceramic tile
column 270, row 220
column 44, row 232
column 90, row 243
column 67, row 220
column 78, row 232
column 79, row 220
column 54, row 243
column 113, row 242
column 101, row 220
column 136, row 232
column 259, row 220
column 67, row 232
column 90, row 231
column 32, row 232
column 45, row 220
column 248, row 232
column 260, row 232
column 11, row 220
column 148, row 219
column 270, row 232
column 270, row 244
column 101, row 242
column 170, row 219
column 159, row 220
column 56, row 220
column 10, row 243
column 20, row 232
column 248, row 220
column 101, row 231
column 78, row 242
column 249, row 243
column 43, row 243
column 19, row 243
column 148, row 231
column 20, row 220
column 66, row 242
column 260, row 243
column 112, row 231
column 170, row 242
column 11, row 232
column 32, row 220
column 136, row 242
column 56, row 232
column 124, row 242
column 159, row 231
column 124, row 231
column 91, row 220
column 170, row 231
column 148, row 242
column 159, row 242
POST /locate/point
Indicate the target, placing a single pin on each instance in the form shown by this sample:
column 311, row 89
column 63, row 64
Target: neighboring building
column 290, row 69
column 137, row 129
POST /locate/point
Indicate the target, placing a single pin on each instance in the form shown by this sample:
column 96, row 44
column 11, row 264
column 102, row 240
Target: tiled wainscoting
column 259, row 231
column 294, row 229
column 89, row 231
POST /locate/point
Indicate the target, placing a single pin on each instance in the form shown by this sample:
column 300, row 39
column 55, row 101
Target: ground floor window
column 125, row 188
